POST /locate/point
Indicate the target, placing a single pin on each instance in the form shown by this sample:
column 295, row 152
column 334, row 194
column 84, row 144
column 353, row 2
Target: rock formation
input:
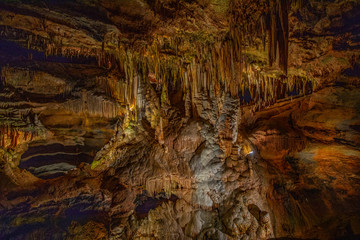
column 178, row 119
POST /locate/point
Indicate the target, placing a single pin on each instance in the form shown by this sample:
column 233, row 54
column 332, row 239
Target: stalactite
column 217, row 63
column 87, row 103
column 272, row 33
column 11, row 136
column 284, row 34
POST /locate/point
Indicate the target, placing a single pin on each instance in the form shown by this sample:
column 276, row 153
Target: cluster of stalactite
column 70, row 52
column 88, row 103
column 216, row 66
column 129, row 69
column 264, row 20
column 213, row 66
column 11, row 137
column 49, row 46
column 202, row 63
column 267, row 89
column 19, row 124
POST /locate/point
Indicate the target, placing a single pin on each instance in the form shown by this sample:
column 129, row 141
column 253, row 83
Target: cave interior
column 179, row 119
